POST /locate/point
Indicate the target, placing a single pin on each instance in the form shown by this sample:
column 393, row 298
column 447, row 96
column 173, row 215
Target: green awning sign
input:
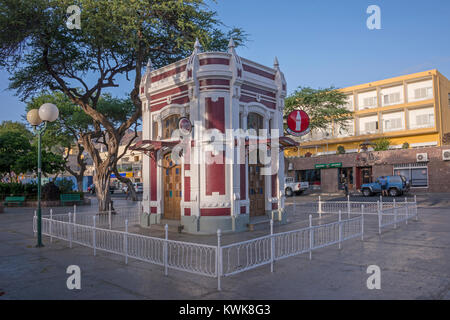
column 335, row 165
column 329, row 165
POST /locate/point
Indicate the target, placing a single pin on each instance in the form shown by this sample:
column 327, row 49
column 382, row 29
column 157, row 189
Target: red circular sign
column 298, row 123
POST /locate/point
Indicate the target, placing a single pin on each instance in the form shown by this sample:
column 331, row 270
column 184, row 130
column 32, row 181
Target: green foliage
column 115, row 37
column 51, row 163
column 14, row 147
column 405, row 145
column 323, row 106
column 50, row 192
column 65, row 185
column 340, row 150
column 18, row 154
column 28, row 190
column 381, row 144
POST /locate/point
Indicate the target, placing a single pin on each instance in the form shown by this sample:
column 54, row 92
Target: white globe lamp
column 33, row 117
column 48, row 112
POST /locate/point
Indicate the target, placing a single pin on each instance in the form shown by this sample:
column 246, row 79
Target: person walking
column 126, row 193
column 384, row 190
column 346, row 186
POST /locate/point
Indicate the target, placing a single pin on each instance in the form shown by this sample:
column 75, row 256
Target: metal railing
column 400, row 212
column 111, row 219
column 184, row 256
column 350, row 207
column 250, row 254
column 224, row 260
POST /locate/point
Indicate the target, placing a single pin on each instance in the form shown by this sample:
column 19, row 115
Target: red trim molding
column 258, row 72
column 169, row 73
column 215, row 212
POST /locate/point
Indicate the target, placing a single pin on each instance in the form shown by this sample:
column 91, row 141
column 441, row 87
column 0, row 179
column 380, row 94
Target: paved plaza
column 414, row 260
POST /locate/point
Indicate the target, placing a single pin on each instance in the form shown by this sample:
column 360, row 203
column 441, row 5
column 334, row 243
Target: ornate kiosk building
column 222, row 93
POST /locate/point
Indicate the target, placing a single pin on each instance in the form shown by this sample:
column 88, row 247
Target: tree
column 116, row 38
column 65, row 133
column 14, row 145
column 324, row 106
column 381, row 144
column 19, row 155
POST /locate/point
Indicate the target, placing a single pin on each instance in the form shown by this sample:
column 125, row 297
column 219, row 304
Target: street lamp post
column 47, row 113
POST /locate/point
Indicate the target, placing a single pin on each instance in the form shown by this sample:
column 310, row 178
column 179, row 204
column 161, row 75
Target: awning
column 150, row 147
column 283, row 142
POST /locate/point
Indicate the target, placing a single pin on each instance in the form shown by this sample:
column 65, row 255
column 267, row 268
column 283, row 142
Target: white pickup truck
column 291, row 187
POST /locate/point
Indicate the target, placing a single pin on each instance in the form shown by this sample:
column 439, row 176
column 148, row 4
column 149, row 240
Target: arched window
column 169, row 124
column 255, row 122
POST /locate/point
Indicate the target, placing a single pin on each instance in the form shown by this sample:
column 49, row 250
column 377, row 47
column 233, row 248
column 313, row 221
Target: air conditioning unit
column 445, row 155
column 422, row 157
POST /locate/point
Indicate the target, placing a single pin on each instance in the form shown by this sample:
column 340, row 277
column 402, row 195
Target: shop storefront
column 425, row 168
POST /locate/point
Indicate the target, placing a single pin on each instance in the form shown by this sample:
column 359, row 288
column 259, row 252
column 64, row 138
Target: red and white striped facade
column 219, row 89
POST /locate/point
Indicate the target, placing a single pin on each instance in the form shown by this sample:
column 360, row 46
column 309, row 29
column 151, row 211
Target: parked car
column 91, row 189
column 396, row 186
column 291, row 187
column 138, row 187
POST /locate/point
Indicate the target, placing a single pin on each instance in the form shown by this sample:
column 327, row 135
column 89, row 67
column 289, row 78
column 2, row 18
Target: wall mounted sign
column 185, row 126
column 328, row 165
column 298, row 123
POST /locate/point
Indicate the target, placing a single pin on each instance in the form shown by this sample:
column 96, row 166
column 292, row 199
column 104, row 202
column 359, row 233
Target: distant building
column 411, row 111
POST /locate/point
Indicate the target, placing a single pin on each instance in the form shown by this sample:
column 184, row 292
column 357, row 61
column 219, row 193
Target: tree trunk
column 80, row 182
column 101, row 180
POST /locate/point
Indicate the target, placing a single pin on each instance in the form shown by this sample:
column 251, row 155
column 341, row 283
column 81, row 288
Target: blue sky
column 324, row 43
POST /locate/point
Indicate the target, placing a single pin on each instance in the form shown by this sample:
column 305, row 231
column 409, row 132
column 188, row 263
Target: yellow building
column 412, row 109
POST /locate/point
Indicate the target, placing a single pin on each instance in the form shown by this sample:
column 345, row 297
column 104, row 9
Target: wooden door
column 256, row 191
column 172, row 189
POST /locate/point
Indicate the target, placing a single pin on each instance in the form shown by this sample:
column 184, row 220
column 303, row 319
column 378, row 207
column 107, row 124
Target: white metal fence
column 111, row 219
column 350, row 207
column 221, row 260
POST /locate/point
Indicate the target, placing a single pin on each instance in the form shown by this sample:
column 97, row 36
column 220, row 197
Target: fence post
column 320, row 208
column 294, row 207
column 70, row 230
column 395, row 215
column 406, row 199
column 50, row 226
column 381, row 202
column 415, row 208
column 166, row 247
column 34, row 223
column 93, row 236
column 75, row 215
column 395, row 218
column 109, row 216
column 125, row 241
column 407, row 213
column 311, row 241
column 272, row 257
column 362, row 222
column 348, row 206
column 340, row 229
column 219, row 260
column 75, row 209
column 379, row 218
